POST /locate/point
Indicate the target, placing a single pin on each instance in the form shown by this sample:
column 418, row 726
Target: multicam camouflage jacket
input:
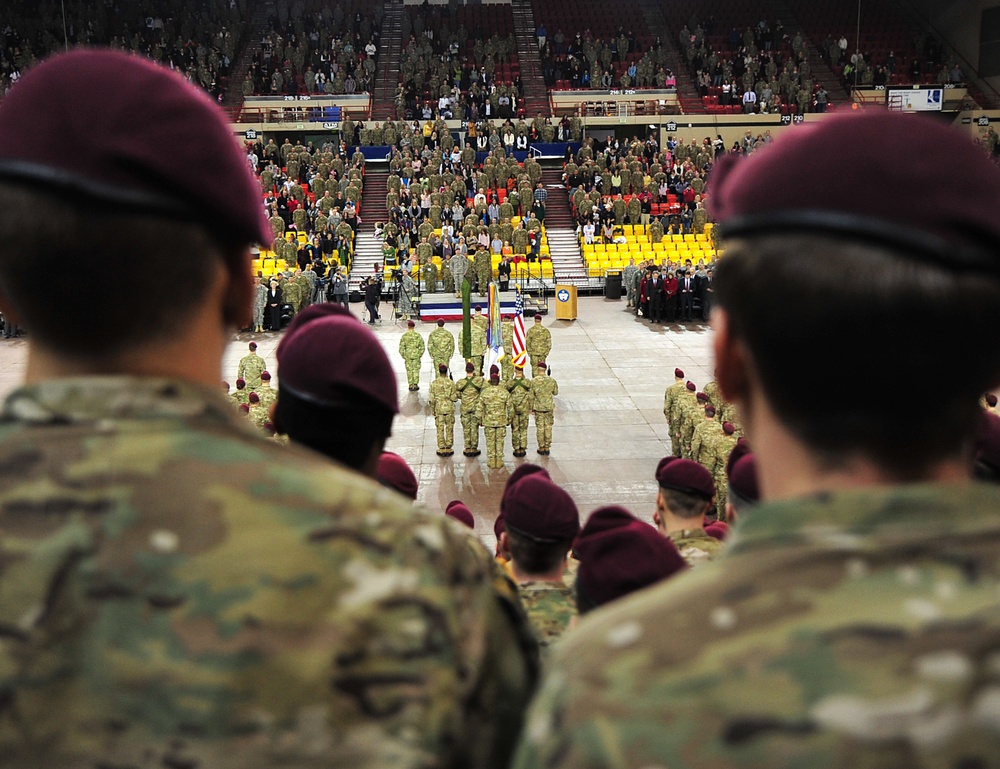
column 855, row 629
column 175, row 590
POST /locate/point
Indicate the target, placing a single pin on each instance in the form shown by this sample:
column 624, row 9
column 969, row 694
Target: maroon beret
column 498, row 526
column 253, row 346
column 541, row 364
column 987, row 445
column 245, row 408
column 691, row 386
column 728, row 428
column 710, row 410
column 460, row 512
column 396, row 474
column 254, row 398
column 717, row 530
column 132, row 133
column 410, row 324
column 991, row 400
column 663, row 463
column 874, row 175
column 440, row 322
column 443, row 368
column 265, row 377
column 240, row 384
column 620, row 554
column 743, row 478
column 225, row 386
column 702, row 397
column 678, row 373
column 326, row 349
column 479, row 308
column 742, row 448
column 538, row 508
column 688, row 476
column 469, row 368
column 538, row 316
column 523, row 471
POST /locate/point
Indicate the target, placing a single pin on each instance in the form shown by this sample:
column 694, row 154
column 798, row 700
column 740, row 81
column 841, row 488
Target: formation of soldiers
column 253, row 395
column 507, row 402
column 703, row 427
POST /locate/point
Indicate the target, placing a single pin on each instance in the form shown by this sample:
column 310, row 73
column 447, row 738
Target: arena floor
column 609, row 430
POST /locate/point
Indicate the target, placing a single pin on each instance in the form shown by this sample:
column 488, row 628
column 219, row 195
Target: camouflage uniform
column 250, row 368
column 550, row 607
column 520, row 401
column 441, row 400
column 484, row 270
column 670, row 400
column 507, row 335
column 543, row 390
column 723, row 448
column 538, row 345
column 704, row 439
column 469, row 389
column 459, row 266
column 259, row 302
column 266, row 394
column 494, row 413
column 411, row 348
column 695, row 545
column 478, row 341
column 239, row 397
column 441, row 346
column 835, row 631
column 179, row 591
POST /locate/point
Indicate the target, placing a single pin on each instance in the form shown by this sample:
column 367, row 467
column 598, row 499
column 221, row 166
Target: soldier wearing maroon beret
column 198, row 596
column 540, row 522
column 670, row 399
column 685, row 494
column 618, row 555
column 872, row 555
column 460, row 512
column 394, row 472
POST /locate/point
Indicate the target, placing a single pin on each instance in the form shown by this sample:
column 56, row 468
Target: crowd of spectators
column 618, row 61
column 199, row 39
column 316, row 48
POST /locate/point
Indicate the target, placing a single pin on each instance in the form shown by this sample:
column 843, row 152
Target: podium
column 565, row 302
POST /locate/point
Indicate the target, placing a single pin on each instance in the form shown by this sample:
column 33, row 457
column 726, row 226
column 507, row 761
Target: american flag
column 518, row 353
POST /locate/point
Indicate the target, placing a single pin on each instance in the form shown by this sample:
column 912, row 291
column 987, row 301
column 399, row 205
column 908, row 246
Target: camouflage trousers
column 484, row 274
column 258, row 316
column 439, row 361
column 470, row 431
column 721, row 490
column 675, row 442
column 495, row 437
column 519, row 432
column 533, row 361
column 446, row 430
column 507, row 368
column 543, row 429
column 477, row 361
column 412, row 371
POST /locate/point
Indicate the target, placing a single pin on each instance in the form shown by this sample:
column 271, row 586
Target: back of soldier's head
column 114, row 197
column 853, row 289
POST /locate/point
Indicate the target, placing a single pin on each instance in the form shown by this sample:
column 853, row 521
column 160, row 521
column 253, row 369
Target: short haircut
column 685, row 505
column 818, row 312
column 534, row 557
column 91, row 280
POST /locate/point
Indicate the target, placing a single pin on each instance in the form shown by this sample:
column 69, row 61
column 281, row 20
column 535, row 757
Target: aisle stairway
column 368, row 250
column 656, row 25
column 567, row 261
column 821, row 72
column 536, row 95
column 390, row 56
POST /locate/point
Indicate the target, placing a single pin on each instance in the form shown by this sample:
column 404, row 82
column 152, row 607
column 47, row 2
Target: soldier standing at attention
column 723, row 448
column 494, row 413
column 251, row 367
column 872, row 555
column 441, row 400
column 684, row 497
column 259, row 302
column 459, row 266
column 239, row 395
column 266, row 394
column 441, row 345
column 704, row 439
column 469, row 390
column 520, row 401
column 484, row 269
column 543, row 392
column 537, row 343
column 540, row 522
column 411, row 348
column 181, row 560
column 670, row 398
column 478, row 342
column 479, row 319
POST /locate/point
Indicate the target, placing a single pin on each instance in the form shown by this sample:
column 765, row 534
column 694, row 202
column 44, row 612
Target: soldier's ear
column 732, row 360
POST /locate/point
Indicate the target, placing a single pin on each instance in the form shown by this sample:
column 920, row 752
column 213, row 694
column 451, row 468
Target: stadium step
column 368, row 250
column 390, row 55
column 656, row 24
column 560, row 229
column 821, row 72
column 536, row 95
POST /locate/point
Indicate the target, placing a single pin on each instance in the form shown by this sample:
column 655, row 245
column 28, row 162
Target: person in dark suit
column 274, row 302
column 685, row 291
column 373, row 292
column 654, row 290
column 503, row 273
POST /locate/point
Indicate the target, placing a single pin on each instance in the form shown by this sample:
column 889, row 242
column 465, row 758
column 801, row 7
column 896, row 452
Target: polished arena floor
column 609, row 431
